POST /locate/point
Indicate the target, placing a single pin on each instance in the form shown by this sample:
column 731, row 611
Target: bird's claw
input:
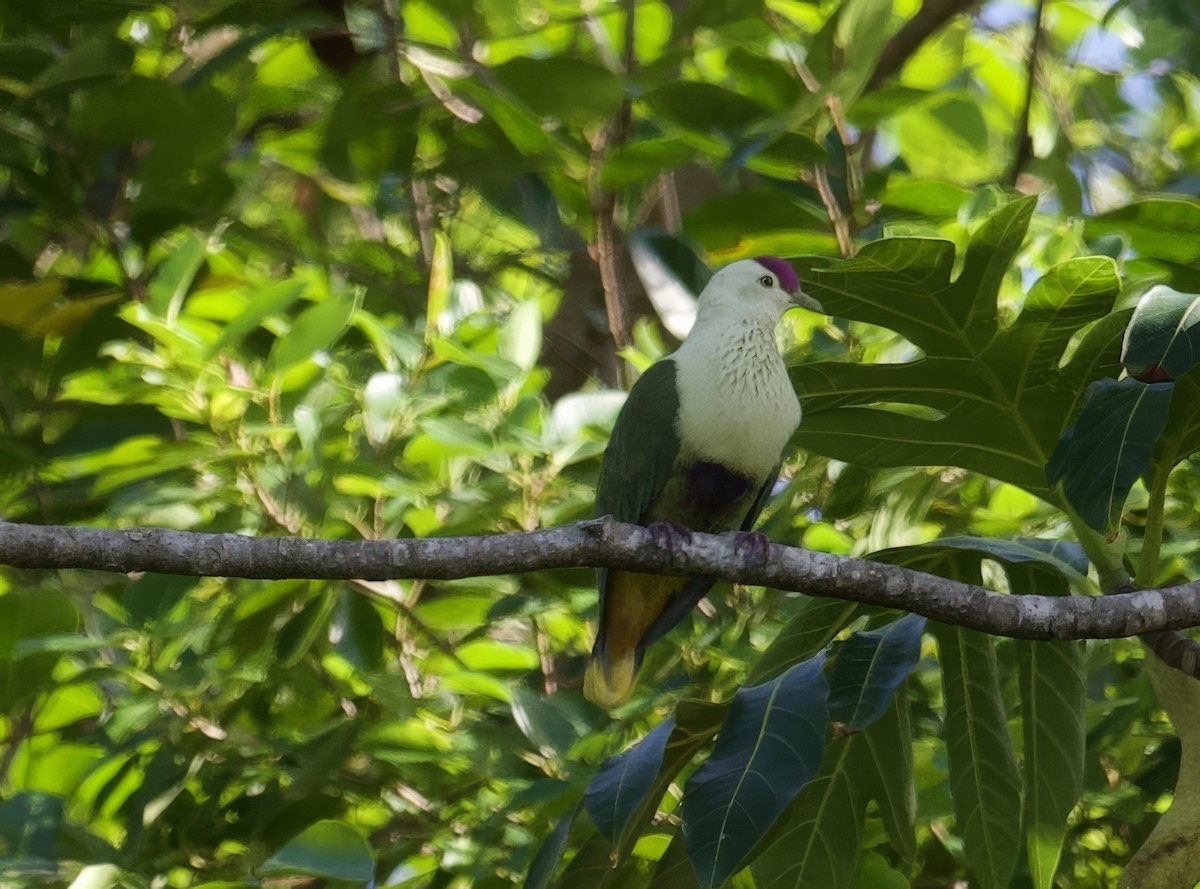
column 669, row 535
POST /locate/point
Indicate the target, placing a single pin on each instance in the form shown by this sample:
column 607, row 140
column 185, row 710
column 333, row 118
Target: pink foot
column 753, row 544
column 669, row 535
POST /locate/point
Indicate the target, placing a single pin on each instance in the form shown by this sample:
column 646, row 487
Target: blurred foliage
column 327, row 268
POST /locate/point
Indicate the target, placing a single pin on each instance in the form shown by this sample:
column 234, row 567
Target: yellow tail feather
column 608, row 685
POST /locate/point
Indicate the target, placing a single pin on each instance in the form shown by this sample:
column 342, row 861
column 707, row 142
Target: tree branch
column 603, row 544
column 1023, row 141
column 931, row 16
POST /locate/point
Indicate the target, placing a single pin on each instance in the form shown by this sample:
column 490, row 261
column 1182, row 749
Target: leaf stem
column 1152, row 541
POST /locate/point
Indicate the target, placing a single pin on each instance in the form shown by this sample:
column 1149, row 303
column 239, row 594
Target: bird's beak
column 800, row 299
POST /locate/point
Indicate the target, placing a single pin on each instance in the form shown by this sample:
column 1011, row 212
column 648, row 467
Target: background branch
column 931, row 16
column 607, row 544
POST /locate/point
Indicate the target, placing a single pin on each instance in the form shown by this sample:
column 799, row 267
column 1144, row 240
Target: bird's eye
column 766, row 281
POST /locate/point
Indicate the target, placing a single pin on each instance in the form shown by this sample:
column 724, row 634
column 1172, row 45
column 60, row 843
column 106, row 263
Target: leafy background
column 331, row 269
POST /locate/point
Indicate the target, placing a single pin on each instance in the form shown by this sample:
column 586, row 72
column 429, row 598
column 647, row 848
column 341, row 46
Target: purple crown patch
column 783, row 271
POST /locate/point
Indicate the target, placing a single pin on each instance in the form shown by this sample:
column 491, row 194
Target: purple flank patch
column 783, row 271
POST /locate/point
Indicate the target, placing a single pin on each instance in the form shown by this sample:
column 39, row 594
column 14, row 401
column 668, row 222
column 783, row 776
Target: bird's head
column 765, row 285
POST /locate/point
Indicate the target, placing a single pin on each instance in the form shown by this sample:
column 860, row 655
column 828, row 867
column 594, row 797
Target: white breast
column 737, row 406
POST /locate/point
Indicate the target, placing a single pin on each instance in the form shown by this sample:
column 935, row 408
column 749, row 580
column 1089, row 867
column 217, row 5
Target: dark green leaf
column 550, row 852
column 757, row 221
column 696, row 723
column 542, row 723
column 1052, row 710
column 820, row 841
column 814, row 623
column 563, row 88
column 1098, row 459
column 357, row 631
column 27, row 615
column 623, row 782
column 29, row 826
column 704, row 108
column 984, row 779
column 1160, row 227
column 769, row 747
column 327, row 849
column 869, row 667
column 887, row 775
column 1162, row 335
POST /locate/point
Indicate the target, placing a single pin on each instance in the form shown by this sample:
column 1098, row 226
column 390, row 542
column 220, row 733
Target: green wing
column 642, row 449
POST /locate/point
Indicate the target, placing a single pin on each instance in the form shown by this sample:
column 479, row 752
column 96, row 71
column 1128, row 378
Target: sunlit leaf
column 999, row 395
column 1163, row 227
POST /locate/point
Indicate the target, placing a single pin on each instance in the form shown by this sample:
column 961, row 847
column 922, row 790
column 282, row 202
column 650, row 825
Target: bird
column 697, row 446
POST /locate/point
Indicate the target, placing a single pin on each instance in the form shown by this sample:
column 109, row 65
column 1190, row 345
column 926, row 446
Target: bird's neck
column 732, row 352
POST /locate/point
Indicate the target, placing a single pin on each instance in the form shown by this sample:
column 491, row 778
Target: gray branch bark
column 601, row 544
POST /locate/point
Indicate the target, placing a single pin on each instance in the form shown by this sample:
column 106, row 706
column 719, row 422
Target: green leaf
column 542, row 723
column 623, row 782
column 29, row 826
column 984, row 779
column 757, row 221
column 272, row 300
column 563, row 88
column 886, row 775
column 769, row 747
column 946, row 138
column 316, row 329
column 173, row 278
column 643, row 160
column 696, row 723
column 1099, row 458
column 785, row 156
column 1181, row 437
column 874, row 872
column 521, row 336
column 984, row 396
column 869, row 667
column 441, row 279
column 96, row 56
column 1052, row 563
column 814, row 623
column 820, row 841
column 328, row 849
column 357, row 631
column 1052, row 681
column 1162, row 335
column 1053, row 696
column 703, row 111
column 550, row 852
column 1160, row 227
column 26, row 616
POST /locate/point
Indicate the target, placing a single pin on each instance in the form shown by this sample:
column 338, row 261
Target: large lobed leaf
column 997, row 395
